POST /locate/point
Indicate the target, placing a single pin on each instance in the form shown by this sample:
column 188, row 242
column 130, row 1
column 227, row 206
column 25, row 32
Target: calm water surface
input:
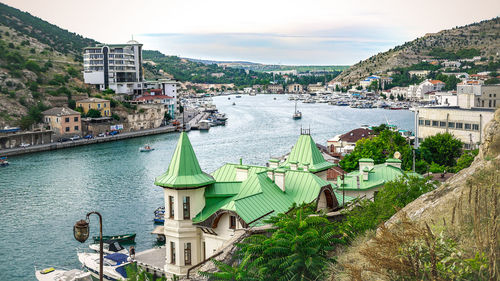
column 42, row 195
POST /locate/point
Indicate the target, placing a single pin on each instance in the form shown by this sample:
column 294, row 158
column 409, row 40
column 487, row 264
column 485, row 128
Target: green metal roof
column 306, row 151
column 366, row 160
column 274, row 160
column 393, row 160
column 184, row 170
column 227, row 173
column 377, row 176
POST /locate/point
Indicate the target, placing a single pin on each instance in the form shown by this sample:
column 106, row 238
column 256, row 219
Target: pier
column 80, row 142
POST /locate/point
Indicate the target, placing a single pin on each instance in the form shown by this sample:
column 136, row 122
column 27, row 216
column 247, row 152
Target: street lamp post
column 81, row 234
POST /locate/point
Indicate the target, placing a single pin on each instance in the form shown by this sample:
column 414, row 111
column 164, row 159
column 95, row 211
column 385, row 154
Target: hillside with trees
column 477, row 39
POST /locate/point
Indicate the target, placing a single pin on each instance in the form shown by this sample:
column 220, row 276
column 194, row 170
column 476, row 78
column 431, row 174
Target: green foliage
column 392, row 197
column 33, row 66
column 379, row 148
column 72, row 104
column 72, row 72
column 492, row 81
column 466, row 159
column 34, row 116
column 441, row 53
column 108, row 91
column 451, row 81
column 135, row 273
column 436, row 168
column 93, row 113
column 115, row 116
column 295, row 249
column 443, row 149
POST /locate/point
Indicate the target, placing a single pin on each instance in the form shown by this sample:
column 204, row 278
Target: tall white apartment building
column 114, row 66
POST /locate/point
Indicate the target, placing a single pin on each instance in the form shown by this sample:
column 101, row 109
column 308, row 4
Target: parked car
column 75, row 137
column 101, row 135
column 63, row 140
column 88, row 137
column 24, row 145
column 112, row 133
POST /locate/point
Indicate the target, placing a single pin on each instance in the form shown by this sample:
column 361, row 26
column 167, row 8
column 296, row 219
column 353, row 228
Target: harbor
column 116, row 179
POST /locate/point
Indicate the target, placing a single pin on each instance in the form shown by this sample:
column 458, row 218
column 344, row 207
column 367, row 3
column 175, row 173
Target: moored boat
column 109, row 247
column 3, row 161
column 52, row 274
column 124, row 238
column 297, row 114
column 146, row 148
column 113, row 267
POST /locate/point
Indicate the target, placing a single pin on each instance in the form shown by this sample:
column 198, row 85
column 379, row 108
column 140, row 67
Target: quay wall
column 68, row 144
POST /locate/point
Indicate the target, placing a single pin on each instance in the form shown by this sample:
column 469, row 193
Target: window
column 232, row 222
column 435, row 123
column 76, row 119
column 187, row 253
column 459, row 125
column 475, row 127
column 185, row 208
column 451, row 125
column 172, row 252
column 66, row 119
column 203, row 250
column 427, row 122
column 467, row 126
column 104, row 104
column 420, row 122
column 442, row 124
column 171, row 206
column 67, row 129
column 98, row 105
column 76, row 128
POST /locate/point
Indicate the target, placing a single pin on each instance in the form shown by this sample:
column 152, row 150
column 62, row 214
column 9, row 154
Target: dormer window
column 232, row 222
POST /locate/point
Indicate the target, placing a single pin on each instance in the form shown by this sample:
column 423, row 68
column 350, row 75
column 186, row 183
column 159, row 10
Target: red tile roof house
column 343, row 144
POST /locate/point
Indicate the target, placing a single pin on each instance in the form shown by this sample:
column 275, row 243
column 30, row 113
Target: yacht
column 113, row 267
column 204, row 125
column 109, row 247
column 52, row 274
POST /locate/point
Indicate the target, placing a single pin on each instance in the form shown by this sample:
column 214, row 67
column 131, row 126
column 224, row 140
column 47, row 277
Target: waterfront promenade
column 80, row 142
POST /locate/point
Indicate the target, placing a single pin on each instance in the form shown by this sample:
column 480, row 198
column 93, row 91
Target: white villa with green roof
column 368, row 180
column 203, row 211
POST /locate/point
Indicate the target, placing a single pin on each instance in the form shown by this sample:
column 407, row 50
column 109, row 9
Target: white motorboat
column 113, row 267
column 52, row 274
column 146, row 148
column 109, row 247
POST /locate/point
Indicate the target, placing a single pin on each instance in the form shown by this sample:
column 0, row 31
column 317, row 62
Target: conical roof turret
column 184, row 171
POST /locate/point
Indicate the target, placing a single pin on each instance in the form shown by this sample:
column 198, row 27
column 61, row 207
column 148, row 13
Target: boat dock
column 194, row 123
column 80, row 142
column 152, row 260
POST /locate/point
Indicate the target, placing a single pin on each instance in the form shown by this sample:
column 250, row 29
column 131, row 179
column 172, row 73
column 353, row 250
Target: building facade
column 466, row 124
column 295, row 88
column 485, row 96
column 63, row 121
column 117, row 67
column 101, row 105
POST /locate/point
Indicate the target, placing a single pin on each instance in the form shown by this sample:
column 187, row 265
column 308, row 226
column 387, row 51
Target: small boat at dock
column 109, row 247
column 124, row 238
column 3, row 161
column 113, row 267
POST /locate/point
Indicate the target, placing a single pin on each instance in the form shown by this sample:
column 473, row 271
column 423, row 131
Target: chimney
column 274, row 163
column 393, row 162
column 365, row 162
column 270, row 173
column 306, row 167
column 366, row 170
column 279, row 178
column 294, row 165
column 241, row 172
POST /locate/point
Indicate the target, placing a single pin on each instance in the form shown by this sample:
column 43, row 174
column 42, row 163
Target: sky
column 291, row 32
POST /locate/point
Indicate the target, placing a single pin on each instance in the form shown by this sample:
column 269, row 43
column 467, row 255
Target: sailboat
column 297, row 114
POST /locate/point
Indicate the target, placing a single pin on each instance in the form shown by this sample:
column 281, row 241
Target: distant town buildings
column 295, row 88
column 344, row 143
column 63, row 121
column 114, row 66
column 275, row 88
